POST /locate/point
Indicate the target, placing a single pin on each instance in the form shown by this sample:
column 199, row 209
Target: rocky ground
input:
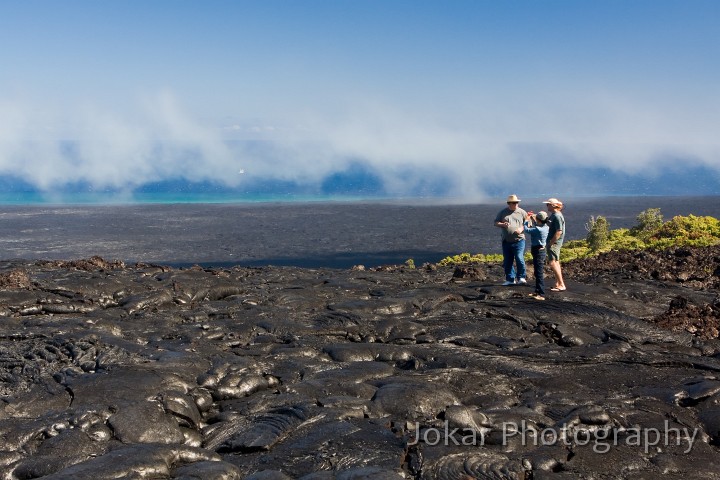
column 694, row 268
column 143, row 371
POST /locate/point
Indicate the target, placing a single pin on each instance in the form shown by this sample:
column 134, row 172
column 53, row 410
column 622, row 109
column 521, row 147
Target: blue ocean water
column 358, row 186
column 115, row 198
column 361, row 181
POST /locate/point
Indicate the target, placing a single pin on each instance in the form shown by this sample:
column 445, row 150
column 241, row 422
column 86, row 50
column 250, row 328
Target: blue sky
column 478, row 90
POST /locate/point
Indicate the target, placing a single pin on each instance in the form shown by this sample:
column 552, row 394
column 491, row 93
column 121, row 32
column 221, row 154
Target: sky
column 481, row 93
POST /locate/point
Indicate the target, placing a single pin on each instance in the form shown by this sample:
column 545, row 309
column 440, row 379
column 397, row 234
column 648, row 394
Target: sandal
column 556, row 289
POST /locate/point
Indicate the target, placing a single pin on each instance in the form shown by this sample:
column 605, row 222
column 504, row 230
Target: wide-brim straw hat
column 513, row 198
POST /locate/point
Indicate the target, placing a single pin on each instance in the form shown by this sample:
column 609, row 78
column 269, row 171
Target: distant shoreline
column 319, row 200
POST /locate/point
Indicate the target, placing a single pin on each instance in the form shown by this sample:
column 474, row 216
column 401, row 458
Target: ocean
column 331, row 232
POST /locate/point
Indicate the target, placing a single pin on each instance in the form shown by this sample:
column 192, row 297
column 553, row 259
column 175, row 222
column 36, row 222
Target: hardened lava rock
column 113, row 371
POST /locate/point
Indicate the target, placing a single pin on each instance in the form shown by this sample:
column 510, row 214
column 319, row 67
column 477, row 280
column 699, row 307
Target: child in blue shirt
column 535, row 226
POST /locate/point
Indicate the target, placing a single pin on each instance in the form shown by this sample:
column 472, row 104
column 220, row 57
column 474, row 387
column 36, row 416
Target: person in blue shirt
column 536, row 227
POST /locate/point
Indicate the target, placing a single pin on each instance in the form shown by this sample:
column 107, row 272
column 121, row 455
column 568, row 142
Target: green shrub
column 622, row 239
column 465, row 258
column 690, row 230
column 598, row 233
column 575, row 244
column 649, row 222
column 572, row 253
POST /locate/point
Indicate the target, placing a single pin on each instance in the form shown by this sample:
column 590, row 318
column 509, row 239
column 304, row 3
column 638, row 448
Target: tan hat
column 553, row 201
column 513, row 198
column 542, row 216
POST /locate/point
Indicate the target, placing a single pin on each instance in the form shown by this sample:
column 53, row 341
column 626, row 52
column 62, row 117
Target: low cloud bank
column 373, row 147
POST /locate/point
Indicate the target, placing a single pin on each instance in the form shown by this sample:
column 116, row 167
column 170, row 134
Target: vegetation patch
column 651, row 232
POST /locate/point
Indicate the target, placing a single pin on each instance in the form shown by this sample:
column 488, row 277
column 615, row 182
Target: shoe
column 556, row 289
column 522, row 281
column 508, row 282
column 538, row 297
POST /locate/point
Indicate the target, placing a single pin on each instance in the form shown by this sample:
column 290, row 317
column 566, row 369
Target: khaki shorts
column 554, row 252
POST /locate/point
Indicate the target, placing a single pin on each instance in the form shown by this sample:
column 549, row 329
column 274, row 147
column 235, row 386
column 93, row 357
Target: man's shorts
column 554, row 252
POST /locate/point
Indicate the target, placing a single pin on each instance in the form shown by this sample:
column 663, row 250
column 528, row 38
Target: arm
column 554, row 223
column 500, row 222
column 551, row 241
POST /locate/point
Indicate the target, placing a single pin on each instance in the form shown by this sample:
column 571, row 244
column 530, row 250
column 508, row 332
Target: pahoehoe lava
column 145, row 371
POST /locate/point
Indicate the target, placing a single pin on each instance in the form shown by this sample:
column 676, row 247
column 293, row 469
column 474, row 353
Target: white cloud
column 496, row 144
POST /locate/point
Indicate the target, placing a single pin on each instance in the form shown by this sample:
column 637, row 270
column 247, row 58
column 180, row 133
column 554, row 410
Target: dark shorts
column 554, row 252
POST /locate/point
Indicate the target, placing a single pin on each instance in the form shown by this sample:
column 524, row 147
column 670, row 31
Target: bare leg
column 557, row 270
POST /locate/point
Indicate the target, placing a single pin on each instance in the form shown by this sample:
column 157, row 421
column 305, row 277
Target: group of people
column 546, row 231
